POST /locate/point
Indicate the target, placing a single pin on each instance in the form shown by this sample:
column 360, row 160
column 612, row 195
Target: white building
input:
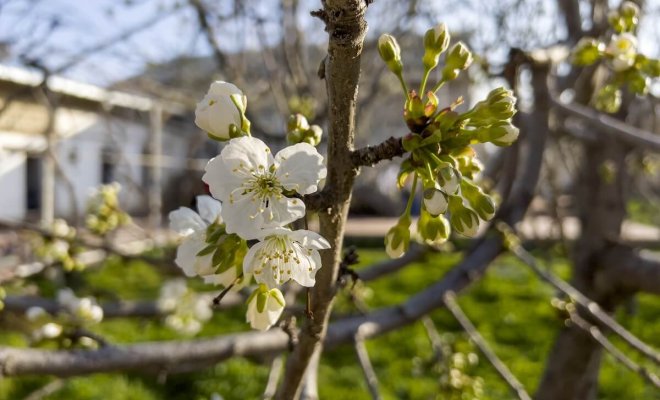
column 97, row 136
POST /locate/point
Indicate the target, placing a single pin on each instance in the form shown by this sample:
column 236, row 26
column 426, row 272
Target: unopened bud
column 459, row 58
column 500, row 134
column 390, row 52
column 397, row 240
column 449, row 179
column 587, row 51
column 436, row 41
column 463, row 219
column 608, row 99
column 435, row 201
column 433, row 230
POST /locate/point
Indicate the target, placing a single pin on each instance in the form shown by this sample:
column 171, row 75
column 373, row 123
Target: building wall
column 12, row 182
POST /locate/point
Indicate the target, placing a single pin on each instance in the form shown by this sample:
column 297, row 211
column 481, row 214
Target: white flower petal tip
column 283, row 255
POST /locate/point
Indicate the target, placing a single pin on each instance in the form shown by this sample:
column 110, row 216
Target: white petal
column 221, row 178
column 300, row 168
column 283, row 211
column 305, row 272
column 209, row 208
column 185, row 221
column 310, row 239
column 186, row 256
column 224, row 278
column 250, row 151
column 243, row 217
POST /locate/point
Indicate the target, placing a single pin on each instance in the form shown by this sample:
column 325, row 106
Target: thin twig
column 517, row 387
column 618, row 355
column 592, row 307
column 273, row 377
column 367, row 368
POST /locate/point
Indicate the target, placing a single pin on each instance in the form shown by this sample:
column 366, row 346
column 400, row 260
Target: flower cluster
column 439, row 143
column 618, row 51
column 186, row 310
column 59, row 246
column 75, row 312
column 258, row 197
column 104, row 214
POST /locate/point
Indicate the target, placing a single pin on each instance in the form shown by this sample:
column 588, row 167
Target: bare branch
column 609, row 125
column 631, row 270
column 618, row 355
column 367, row 368
column 475, row 336
column 372, row 155
column 592, row 307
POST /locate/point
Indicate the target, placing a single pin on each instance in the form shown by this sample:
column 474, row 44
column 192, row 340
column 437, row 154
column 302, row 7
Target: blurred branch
column 368, row 369
column 618, row 355
column 475, row 336
column 592, row 307
column 631, row 270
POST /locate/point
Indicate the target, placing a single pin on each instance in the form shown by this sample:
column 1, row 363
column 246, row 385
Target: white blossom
column 84, row 309
column 623, row 49
column 264, row 308
column 251, row 184
column 283, row 254
column 217, row 111
column 187, row 310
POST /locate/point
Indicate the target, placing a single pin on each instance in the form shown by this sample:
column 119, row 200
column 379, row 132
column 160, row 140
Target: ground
column 510, row 307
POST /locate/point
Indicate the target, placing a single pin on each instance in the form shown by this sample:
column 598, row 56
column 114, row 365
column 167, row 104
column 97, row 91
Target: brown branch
column 375, row 271
column 604, row 123
column 367, row 369
column 372, row 155
column 618, row 355
column 123, row 309
column 590, row 306
column 346, row 27
column 631, row 270
column 475, row 336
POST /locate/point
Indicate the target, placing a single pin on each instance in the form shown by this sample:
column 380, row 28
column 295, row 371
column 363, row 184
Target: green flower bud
column 390, row 52
column 297, row 122
column 587, row 51
column 436, row 41
column 313, row 135
column 638, row 83
column 433, row 230
column 397, row 240
column 449, row 179
column 435, row 201
column 463, row 219
column 459, row 58
column 629, row 9
column 608, row 99
column 479, row 201
column 501, row 133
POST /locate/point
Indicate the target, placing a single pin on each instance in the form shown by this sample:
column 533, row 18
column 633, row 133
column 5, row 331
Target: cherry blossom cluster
column 75, row 313
column 104, row 214
column 439, row 145
column 618, row 50
column 59, row 247
column 186, row 310
column 256, row 198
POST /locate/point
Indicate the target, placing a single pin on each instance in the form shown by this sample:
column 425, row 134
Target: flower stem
column 403, row 84
column 439, row 85
column 422, row 87
column 412, row 197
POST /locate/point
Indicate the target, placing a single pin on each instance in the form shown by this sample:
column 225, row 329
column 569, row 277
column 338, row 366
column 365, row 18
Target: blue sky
column 25, row 24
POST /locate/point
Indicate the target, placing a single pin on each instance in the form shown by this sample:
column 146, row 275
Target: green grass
column 510, row 307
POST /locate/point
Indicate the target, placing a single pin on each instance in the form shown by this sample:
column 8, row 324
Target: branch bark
column 346, row 27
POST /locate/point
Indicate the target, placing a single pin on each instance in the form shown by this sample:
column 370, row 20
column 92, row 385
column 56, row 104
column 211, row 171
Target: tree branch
column 371, row 155
column 630, row 270
column 475, row 336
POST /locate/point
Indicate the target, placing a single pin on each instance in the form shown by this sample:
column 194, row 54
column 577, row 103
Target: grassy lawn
column 510, row 307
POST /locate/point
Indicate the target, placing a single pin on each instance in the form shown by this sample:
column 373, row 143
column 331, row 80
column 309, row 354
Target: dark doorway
column 33, row 183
